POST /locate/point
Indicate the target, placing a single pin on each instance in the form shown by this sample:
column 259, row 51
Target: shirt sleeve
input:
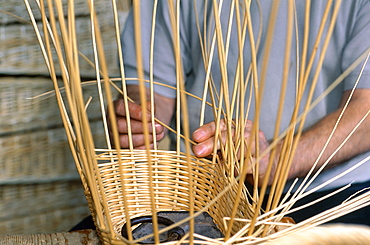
column 164, row 66
column 358, row 44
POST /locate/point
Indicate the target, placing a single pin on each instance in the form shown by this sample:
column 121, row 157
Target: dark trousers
column 361, row 216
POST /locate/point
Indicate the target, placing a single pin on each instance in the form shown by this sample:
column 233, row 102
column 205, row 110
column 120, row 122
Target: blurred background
column 40, row 190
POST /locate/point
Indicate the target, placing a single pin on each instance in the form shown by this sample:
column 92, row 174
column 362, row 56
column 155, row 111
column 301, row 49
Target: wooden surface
column 85, row 237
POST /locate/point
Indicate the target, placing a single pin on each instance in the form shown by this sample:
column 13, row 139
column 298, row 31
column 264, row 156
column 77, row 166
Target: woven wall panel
column 20, row 51
column 42, row 207
column 27, row 103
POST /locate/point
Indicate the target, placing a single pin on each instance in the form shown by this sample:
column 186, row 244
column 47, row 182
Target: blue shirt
column 350, row 39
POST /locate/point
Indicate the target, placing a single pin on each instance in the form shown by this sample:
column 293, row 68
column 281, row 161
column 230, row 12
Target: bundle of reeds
column 123, row 184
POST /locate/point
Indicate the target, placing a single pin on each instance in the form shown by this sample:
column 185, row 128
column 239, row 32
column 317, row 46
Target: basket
column 125, row 181
column 122, row 185
column 39, row 185
column 331, row 234
column 77, row 237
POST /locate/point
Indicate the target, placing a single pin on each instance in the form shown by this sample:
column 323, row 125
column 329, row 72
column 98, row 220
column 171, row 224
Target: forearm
column 314, row 139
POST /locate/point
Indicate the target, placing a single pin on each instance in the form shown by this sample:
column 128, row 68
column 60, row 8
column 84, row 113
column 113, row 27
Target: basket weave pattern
column 129, row 179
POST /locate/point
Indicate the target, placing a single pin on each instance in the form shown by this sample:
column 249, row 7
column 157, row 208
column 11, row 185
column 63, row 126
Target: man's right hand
column 135, row 114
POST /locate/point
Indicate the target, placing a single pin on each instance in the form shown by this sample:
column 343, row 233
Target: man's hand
column 163, row 112
column 312, row 140
column 137, row 125
column 205, row 137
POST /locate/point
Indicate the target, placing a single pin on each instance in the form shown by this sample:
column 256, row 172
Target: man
column 350, row 39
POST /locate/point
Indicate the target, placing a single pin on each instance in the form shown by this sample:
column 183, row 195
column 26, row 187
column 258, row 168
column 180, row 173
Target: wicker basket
column 331, row 234
column 123, row 185
column 128, row 184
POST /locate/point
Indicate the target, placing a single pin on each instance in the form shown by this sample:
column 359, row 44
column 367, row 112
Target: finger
column 207, row 131
column 206, row 147
column 138, row 139
column 137, row 127
column 135, row 111
column 251, row 146
column 143, row 147
column 205, row 136
column 203, row 149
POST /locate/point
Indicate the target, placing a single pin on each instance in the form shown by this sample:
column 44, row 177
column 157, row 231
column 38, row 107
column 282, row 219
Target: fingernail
column 198, row 134
column 158, row 127
column 200, row 150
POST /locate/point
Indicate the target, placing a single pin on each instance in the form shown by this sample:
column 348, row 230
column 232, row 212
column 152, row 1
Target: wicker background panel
column 42, row 155
column 22, row 110
column 41, row 207
column 18, row 11
column 40, row 190
column 20, row 51
column 35, row 155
